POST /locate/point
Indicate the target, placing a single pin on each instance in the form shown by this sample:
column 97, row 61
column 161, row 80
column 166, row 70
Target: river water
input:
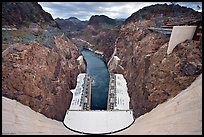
column 97, row 69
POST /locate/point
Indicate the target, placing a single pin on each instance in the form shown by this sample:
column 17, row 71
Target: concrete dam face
column 100, row 102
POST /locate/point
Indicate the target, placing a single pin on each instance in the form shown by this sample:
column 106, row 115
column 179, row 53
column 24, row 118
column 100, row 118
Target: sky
column 84, row 10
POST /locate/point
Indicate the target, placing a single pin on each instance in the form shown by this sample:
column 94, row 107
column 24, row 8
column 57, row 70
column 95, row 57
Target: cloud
column 84, row 10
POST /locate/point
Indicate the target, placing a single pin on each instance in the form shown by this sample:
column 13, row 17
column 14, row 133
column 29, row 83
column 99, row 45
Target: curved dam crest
column 97, row 69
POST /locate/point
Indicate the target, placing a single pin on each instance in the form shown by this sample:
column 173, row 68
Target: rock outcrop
column 40, row 77
column 20, row 14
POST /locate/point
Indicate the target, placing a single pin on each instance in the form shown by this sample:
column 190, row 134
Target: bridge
column 165, row 31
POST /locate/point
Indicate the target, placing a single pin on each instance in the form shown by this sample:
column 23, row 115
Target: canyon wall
column 153, row 76
column 39, row 64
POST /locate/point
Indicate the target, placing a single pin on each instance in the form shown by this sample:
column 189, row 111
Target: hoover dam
column 138, row 75
column 179, row 115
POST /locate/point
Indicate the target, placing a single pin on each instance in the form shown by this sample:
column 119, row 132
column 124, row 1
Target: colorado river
column 97, row 69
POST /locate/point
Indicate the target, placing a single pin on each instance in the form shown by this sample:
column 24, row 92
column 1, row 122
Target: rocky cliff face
column 39, row 65
column 23, row 13
column 104, row 42
column 153, row 76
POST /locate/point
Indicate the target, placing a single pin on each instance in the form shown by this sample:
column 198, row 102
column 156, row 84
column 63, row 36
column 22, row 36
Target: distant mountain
column 101, row 19
column 71, row 24
column 73, row 19
column 23, row 13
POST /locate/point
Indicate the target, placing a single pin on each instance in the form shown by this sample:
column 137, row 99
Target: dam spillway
column 100, row 103
column 114, row 119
